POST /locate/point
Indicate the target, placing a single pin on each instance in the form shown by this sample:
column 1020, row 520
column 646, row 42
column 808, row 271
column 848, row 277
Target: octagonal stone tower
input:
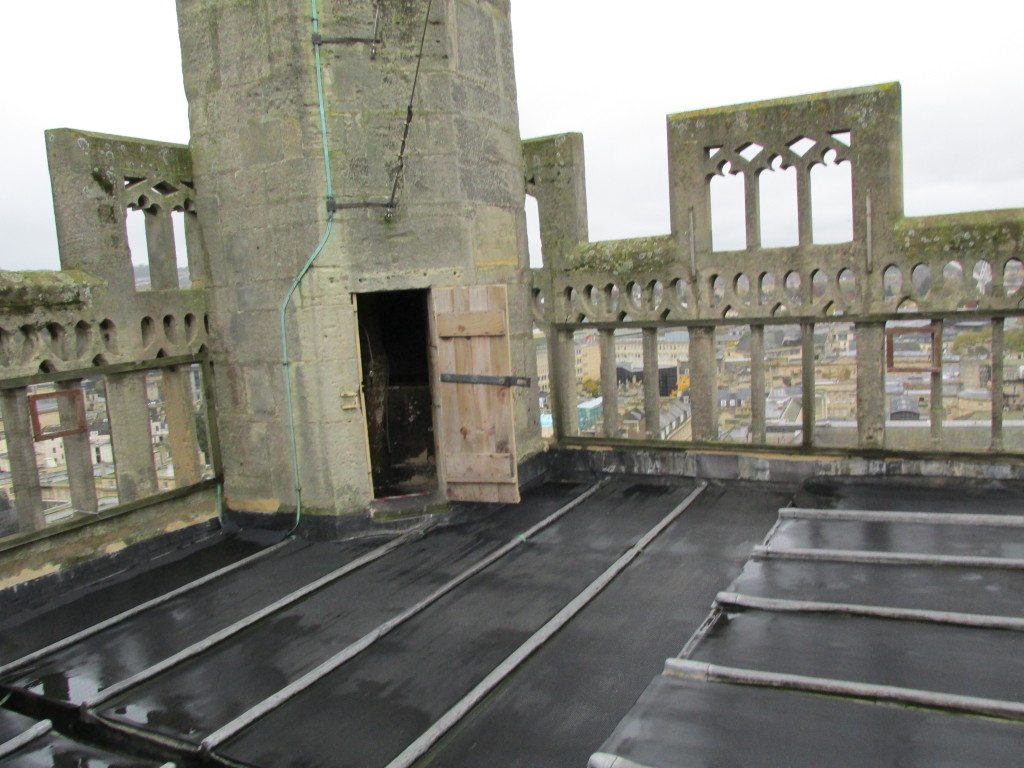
column 447, row 212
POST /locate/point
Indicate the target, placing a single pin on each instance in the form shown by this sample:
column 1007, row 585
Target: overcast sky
column 610, row 70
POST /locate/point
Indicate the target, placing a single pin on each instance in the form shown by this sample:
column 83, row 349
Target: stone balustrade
column 91, row 322
column 931, row 274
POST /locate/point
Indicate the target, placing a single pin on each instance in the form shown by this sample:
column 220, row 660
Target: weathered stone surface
column 22, row 455
column 251, row 187
column 26, row 291
column 130, row 436
column 66, row 549
column 255, row 143
column 683, row 280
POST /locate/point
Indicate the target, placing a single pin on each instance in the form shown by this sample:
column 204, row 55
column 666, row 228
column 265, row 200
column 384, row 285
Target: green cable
column 285, row 362
column 328, row 176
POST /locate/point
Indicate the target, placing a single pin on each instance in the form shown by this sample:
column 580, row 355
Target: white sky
column 610, row 70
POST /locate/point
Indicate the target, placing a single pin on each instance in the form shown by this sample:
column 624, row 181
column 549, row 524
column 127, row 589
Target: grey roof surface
column 418, row 622
column 520, row 635
column 882, row 626
column 29, row 743
column 685, row 722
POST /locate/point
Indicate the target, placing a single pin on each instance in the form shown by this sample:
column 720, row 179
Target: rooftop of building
column 333, row 566
column 523, row 635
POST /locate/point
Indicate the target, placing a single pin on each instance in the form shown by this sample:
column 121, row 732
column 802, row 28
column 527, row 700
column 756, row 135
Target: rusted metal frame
column 73, row 394
column 933, row 330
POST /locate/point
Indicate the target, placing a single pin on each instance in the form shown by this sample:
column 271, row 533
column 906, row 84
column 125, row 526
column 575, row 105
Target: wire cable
column 329, row 190
column 393, row 200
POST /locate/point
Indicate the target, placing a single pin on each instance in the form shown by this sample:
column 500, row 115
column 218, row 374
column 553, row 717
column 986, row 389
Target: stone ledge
column 23, row 292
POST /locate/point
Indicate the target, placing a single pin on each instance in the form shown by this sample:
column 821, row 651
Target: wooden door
column 472, row 380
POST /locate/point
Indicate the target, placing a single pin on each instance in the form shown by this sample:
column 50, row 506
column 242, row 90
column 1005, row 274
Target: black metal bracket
column 496, row 381
column 333, row 206
column 319, row 39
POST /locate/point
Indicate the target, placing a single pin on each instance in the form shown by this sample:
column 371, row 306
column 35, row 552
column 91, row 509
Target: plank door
column 476, row 448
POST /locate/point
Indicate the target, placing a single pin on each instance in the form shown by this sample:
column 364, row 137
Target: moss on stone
column 787, row 101
column 977, row 232
column 129, row 156
column 624, row 258
column 27, row 291
column 101, row 178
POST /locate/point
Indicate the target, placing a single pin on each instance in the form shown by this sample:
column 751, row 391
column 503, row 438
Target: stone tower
column 449, row 211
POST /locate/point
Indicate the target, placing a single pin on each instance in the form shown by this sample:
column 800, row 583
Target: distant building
column 733, row 398
column 589, row 413
column 975, row 372
column 627, row 375
column 972, row 403
column 673, row 415
column 904, row 409
column 588, row 358
column 668, row 379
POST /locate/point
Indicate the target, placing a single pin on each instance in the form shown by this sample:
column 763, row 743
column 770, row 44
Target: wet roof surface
column 689, row 723
column 352, row 653
column 568, row 697
column 29, row 743
column 877, row 635
column 77, row 608
column 974, row 540
column 962, row 589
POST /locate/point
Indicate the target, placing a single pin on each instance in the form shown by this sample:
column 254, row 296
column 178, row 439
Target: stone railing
column 895, row 279
column 85, row 350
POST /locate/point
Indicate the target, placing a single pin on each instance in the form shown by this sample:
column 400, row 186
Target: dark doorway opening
column 393, row 339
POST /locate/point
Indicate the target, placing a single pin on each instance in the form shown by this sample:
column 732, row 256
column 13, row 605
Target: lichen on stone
column 962, row 232
column 27, row 291
column 623, row 258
